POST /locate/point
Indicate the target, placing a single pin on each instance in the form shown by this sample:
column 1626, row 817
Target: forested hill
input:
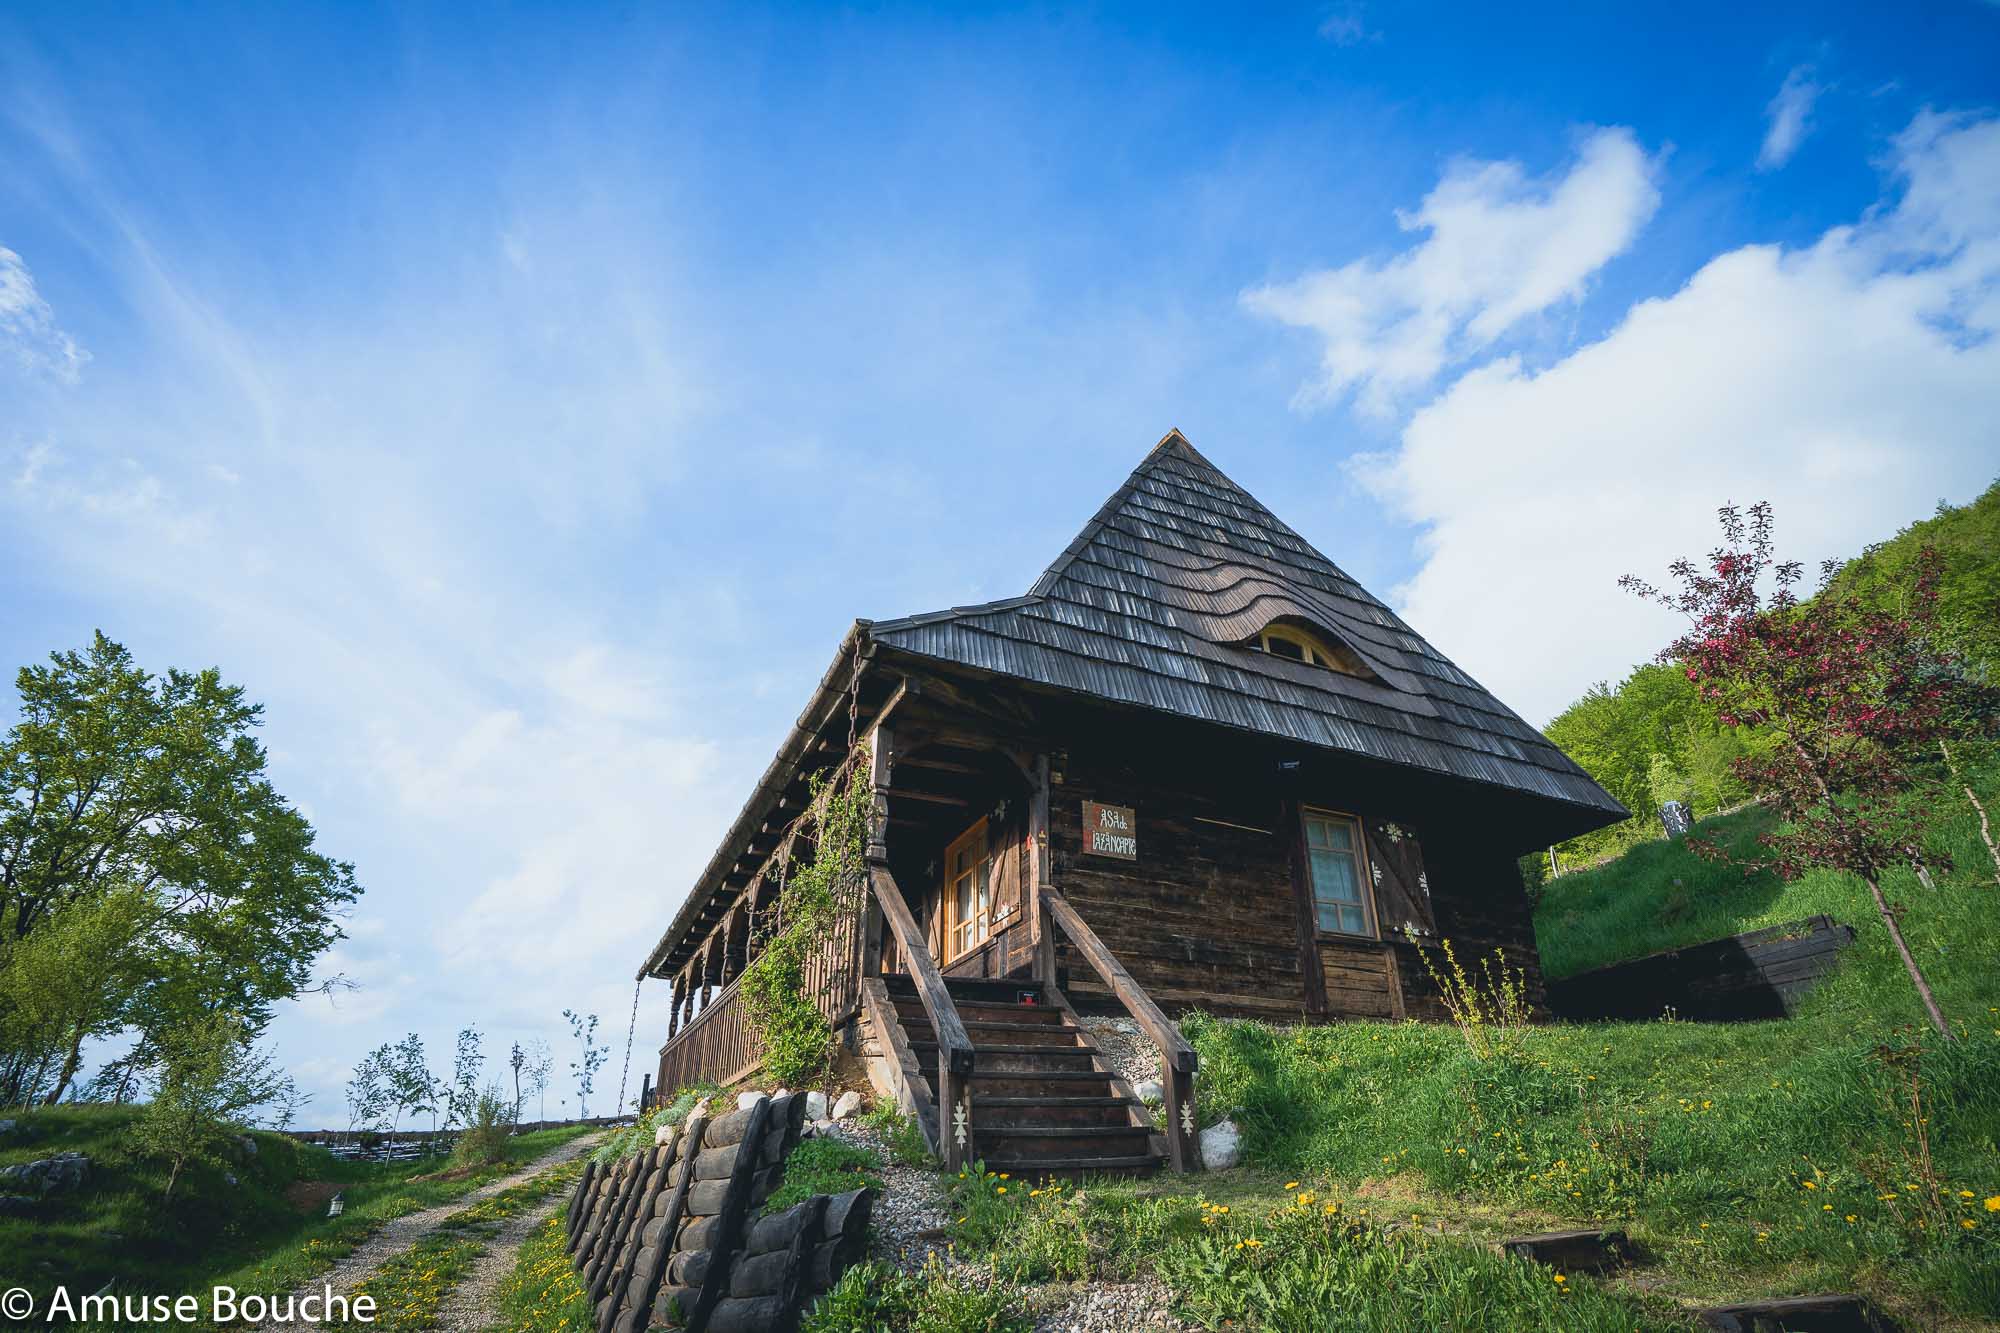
column 1649, row 739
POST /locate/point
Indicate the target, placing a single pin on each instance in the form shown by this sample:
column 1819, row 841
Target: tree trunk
column 70, row 1062
column 1916, row 973
column 1985, row 829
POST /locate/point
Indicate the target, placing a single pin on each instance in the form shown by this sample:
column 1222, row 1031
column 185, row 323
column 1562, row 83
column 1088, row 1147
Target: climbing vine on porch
column 792, row 1036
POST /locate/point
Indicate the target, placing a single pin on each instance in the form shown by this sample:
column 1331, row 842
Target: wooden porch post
column 881, row 772
column 1041, row 874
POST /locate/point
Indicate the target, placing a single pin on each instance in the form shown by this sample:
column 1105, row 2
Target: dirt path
column 401, row 1233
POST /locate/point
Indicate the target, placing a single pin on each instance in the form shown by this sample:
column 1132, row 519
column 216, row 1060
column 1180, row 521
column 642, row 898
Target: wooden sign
column 1110, row 830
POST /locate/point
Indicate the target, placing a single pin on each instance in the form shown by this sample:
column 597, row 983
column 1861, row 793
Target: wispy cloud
column 1501, row 247
column 1789, row 119
column 28, row 326
column 1347, row 25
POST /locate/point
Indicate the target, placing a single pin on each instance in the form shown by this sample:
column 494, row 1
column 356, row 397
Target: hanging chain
column 630, row 1029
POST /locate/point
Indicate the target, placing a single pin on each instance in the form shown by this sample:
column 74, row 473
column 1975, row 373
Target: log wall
column 671, row 1234
column 1208, row 916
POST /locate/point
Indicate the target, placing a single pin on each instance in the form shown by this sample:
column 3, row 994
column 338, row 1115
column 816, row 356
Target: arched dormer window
column 1299, row 643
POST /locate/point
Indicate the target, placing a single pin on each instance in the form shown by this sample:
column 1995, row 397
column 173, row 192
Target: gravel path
column 400, row 1233
column 469, row 1306
column 908, row 1224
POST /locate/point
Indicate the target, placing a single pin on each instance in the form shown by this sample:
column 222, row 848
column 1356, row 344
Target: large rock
column 1221, row 1146
column 15, row 1205
column 846, row 1104
column 1151, row 1091
column 663, row 1135
column 746, row 1100
column 816, row 1106
column 50, row 1175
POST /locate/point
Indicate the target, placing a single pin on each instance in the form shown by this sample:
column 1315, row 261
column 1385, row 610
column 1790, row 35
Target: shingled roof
column 1155, row 601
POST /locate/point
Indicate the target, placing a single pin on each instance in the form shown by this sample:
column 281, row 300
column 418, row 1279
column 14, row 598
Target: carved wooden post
column 954, row 1114
column 881, row 773
column 1041, row 874
column 1183, row 1147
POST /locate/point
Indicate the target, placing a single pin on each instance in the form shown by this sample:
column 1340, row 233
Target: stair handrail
column 955, row 1053
column 1178, row 1060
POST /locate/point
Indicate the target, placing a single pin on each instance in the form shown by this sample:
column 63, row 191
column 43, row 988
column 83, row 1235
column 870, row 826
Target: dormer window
column 1296, row 643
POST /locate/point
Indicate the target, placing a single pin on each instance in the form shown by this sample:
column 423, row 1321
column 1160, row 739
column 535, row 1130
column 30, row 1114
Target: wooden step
column 1009, row 1143
column 1018, row 1059
column 1032, row 1083
column 912, row 1010
column 1014, row 1111
column 987, row 1034
column 1034, row 1168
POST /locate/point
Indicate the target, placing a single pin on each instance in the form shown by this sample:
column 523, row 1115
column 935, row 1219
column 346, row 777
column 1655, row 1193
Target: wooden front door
column 968, row 893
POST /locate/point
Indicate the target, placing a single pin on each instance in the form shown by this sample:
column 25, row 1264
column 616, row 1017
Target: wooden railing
column 833, row 971
column 1178, row 1060
column 955, row 1056
column 714, row 1046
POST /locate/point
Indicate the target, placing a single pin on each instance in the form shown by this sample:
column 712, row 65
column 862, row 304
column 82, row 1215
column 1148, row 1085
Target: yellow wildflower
column 1291, row 1184
column 1993, row 1204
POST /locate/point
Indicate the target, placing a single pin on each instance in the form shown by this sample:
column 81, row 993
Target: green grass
column 543, row 1293
column 873, row 1298
column 824, row 1166
column 246, row 1236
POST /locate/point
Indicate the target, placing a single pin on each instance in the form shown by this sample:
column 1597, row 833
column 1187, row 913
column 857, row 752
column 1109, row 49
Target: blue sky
column 522, row 402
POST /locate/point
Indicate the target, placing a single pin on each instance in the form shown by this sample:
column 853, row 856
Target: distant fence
column 1740, row 978
column 420, row 1136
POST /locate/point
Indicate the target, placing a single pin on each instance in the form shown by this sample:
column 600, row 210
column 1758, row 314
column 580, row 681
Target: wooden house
column 1195, row 766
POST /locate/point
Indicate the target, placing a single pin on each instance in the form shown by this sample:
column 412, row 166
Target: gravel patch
column 908, row 1223
column 1129, row 1050
column 400, row 1233
column 1104, row 1307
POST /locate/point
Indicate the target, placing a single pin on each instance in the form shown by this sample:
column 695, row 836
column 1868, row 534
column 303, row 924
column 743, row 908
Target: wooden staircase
column 1045, row 1100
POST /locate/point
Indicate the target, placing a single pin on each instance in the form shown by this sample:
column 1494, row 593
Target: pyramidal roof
column 1155, row 601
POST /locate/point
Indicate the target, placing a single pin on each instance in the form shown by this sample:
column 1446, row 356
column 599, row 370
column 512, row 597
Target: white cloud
column 1790, row 119
column 28, row 326
column 1346, row 26
column 1502, row 247
column 1851, row 382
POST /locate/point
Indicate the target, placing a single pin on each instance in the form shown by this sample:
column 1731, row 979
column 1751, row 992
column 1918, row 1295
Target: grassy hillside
column 1651, row 738
column 250, row 1235
column 1765, row 1158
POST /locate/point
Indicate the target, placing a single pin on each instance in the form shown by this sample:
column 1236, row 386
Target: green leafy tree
column 406, row 1077
column 209, row 1079
column 73, row 975
column 462, row 1095
column 115, row 781
column 590, row 1058
column 539, row 1065
column 368, row 1094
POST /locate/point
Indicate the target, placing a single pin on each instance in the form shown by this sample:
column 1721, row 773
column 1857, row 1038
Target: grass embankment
column 1747, row 1159
column 248, row 1235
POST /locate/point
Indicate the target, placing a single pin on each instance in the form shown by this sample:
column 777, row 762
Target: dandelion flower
column 1291, row 1184
column 1993, row 1204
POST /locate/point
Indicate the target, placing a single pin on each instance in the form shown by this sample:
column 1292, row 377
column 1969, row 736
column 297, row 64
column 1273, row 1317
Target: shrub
column 824, row 1166
column 904, row 1137
column 487, row 1130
